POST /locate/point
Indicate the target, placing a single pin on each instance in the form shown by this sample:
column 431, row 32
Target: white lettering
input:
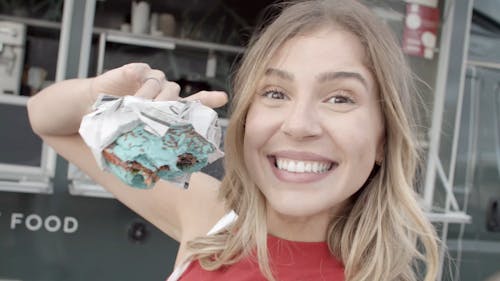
column 30, row 225
column 51, row 223
column 56, row 225
column 70, row 225
column 15, row 219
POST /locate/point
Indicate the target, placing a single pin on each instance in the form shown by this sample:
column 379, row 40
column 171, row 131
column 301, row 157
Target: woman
column 320, row 156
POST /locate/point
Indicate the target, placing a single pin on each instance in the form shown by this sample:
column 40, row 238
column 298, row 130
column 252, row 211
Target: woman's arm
column 55, row 115
column 58, row 109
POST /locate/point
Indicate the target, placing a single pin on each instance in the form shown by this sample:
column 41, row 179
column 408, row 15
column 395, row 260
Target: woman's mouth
column 307, row 170
column 299, row 166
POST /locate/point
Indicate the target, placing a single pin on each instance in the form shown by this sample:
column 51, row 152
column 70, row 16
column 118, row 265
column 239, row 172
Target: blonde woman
column 320, row 156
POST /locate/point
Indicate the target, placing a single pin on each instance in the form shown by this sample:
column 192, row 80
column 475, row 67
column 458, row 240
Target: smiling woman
column 334, row 96
column 328, row 116
column 320, row 156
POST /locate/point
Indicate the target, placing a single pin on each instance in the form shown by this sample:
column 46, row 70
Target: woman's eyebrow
column 279, row 73
column 334, row 75
column 323, row 77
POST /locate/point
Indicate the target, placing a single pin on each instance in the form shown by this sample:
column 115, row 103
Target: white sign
column 52, row 223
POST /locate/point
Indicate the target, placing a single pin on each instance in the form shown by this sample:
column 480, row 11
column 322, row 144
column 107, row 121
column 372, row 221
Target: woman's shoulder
column 182, row 261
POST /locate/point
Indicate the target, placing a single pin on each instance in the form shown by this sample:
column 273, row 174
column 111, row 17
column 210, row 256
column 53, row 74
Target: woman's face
column 314, row 129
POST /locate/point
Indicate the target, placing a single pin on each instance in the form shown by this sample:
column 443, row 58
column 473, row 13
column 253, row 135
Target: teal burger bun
column 140, row 158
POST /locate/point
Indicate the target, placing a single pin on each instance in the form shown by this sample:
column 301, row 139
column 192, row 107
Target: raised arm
column 55, row 115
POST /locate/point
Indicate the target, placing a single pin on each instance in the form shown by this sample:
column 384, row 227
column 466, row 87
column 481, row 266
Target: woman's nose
column 301, row 122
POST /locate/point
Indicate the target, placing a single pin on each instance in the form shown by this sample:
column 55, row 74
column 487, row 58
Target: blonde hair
column 382, row 234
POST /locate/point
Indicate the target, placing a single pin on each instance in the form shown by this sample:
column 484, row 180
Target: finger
column 136, row 72
column 152, row 84
column 211, row 99
column 149, row 89
column 136, row 68
column 170, row 91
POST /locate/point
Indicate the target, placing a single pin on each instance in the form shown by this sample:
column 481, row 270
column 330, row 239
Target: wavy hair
column 382, row 233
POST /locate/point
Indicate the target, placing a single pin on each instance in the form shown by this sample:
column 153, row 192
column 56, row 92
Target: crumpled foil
column 167, row 139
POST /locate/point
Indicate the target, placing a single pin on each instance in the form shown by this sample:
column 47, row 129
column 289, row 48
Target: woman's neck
column 305, row 228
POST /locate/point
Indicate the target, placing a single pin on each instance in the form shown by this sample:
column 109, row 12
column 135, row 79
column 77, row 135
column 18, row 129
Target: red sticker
column 420, row 33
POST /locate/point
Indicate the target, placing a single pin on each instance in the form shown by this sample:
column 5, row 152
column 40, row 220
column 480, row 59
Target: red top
column 289, row 260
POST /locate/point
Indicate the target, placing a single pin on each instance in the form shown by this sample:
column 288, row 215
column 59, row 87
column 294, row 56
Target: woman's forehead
column 322, row 51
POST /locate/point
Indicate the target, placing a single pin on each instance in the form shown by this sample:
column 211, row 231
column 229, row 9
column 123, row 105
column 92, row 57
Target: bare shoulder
column 180, row 213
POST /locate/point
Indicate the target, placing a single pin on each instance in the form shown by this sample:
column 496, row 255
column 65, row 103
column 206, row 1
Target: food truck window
column 26, row 164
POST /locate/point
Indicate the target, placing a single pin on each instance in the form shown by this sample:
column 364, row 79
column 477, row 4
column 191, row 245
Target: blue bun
column 140, row 158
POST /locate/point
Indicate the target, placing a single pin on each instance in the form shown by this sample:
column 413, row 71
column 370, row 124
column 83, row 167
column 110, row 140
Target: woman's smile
column 300, row 167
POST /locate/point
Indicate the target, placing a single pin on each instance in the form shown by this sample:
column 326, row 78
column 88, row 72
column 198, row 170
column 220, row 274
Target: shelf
column 163, row 42
column 449, row 217
column 32, row 22
column 89, row 189
column 13, row 99
column 134, row 39
column 27, row 186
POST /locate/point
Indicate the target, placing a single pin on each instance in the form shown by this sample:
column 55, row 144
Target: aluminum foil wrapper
column 142, row 141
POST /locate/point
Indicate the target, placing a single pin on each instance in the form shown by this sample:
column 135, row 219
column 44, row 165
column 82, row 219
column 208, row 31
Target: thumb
column 211, row 99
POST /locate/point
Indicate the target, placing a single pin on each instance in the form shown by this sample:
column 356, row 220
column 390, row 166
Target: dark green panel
column 99, row 249
column 20, row 146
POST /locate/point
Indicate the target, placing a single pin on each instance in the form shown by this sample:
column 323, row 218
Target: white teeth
column 299, row 168
column 315, row 167
column 308, row 166
column 295, row 166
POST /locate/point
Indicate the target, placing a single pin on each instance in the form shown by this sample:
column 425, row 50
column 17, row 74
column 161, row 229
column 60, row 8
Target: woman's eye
column 340, row 99
column 273, row 94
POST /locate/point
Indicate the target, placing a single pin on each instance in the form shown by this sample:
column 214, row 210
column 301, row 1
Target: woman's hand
column 141, row 80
